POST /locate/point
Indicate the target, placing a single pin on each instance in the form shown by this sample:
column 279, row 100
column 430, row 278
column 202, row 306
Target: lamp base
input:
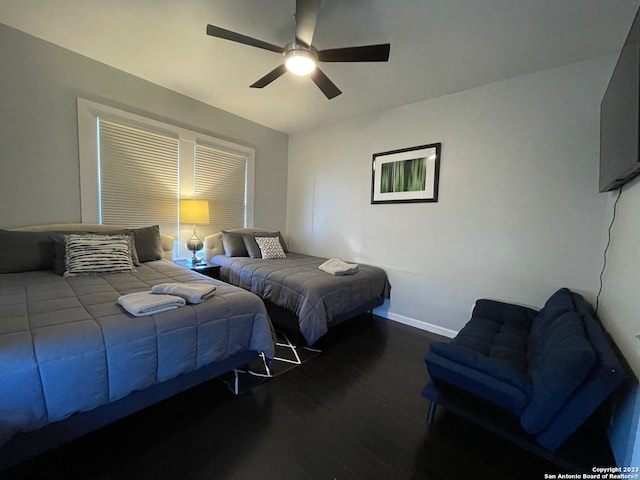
column 194, row 244
column 194, row 261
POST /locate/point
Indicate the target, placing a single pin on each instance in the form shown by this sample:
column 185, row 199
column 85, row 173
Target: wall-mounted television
column 620, row 117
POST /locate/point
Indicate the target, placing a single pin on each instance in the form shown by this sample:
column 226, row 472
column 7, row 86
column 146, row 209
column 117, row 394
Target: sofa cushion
column 559, row 303
column 560, row 357
column 605, row 378
column 494, row 344
column 497, row 391
column 488, row 356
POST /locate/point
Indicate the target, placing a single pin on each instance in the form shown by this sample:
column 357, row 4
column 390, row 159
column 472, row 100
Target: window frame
column 88, row 144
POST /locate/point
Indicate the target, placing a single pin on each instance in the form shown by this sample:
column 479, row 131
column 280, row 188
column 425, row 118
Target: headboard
column 213, row 243
column 166, row 241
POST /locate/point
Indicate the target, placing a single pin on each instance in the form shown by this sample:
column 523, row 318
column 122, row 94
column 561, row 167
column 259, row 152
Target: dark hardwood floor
column 355, row 412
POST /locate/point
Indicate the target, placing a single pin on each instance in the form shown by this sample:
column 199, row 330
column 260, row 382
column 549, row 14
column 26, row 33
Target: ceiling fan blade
column 327, row 86
column 306, row 18
column 270, row 77
column 367, row 53
column 240, row 38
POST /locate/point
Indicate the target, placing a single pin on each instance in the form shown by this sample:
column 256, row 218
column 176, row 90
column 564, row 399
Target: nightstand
column 207, row 269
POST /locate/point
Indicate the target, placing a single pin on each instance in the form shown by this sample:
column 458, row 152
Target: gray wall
column 39, row 172
column 619, row 304
column 518, row 215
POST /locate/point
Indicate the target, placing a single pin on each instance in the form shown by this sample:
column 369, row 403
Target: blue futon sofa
column 551, row 369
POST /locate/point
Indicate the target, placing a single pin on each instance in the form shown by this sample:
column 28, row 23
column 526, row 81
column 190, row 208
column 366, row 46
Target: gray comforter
column 67, row 346
column 296, row 283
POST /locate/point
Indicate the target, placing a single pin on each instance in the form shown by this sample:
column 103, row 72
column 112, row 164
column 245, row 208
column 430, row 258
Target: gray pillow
column 147, row 242
column 283, row 243
column 252, row 247
column 233, row 244
column 25, row 251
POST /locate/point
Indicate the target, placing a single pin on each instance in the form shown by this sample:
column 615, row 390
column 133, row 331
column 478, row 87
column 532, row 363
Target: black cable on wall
column 606, row 249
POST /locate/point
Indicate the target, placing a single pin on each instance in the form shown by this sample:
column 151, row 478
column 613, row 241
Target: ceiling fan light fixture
column 300, row 62
column 300, row 56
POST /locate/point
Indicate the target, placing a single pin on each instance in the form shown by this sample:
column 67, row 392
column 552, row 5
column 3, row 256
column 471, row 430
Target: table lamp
column 195, row 212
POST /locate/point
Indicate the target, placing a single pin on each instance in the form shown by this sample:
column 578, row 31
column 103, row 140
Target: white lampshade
column 194, row 212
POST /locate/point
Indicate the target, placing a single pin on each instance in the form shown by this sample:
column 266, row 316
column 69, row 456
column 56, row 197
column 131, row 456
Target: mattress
column 298, row 285
column 66, row 346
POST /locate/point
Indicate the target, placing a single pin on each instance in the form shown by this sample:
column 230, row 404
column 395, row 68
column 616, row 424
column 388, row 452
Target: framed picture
column 408, row 175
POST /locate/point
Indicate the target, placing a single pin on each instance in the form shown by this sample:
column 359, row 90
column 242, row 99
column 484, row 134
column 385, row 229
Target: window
column 220, row 178
column 134, row 170
column 138, row 177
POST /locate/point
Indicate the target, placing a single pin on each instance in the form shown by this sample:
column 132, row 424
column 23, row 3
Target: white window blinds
column 135, row 169
column 139, row 177
column 221, row 178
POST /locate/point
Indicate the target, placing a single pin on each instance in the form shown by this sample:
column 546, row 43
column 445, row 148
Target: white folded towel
column 191, row 292
column 146, row 303
column 335, row 266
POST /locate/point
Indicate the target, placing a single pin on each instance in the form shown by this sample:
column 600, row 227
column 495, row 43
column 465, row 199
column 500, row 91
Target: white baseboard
column 412, row 322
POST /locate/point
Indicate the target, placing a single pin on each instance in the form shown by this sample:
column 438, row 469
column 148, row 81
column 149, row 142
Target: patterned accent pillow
column 88, row 254
column 270, row 247
column 253, row 250
column 60, row 248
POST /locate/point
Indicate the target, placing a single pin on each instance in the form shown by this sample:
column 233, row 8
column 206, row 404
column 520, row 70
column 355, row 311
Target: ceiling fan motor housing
column 300, row 60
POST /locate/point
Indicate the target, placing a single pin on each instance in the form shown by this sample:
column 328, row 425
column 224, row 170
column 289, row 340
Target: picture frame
column 407, row 175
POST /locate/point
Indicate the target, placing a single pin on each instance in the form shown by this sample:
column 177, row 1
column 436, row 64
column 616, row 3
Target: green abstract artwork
column 404, row 176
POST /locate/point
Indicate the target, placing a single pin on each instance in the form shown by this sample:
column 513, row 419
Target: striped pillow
column 88, row 254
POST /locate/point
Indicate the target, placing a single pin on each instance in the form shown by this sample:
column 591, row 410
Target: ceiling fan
column 300, row 56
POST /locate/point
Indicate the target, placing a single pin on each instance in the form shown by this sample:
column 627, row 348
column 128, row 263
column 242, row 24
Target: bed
column 299, row 296
column 72, row 359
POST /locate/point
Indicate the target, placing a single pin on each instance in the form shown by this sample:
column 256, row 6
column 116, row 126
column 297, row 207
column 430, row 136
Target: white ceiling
column 437, row 47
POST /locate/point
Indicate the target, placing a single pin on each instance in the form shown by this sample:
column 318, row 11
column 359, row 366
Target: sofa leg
column 432, row 412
